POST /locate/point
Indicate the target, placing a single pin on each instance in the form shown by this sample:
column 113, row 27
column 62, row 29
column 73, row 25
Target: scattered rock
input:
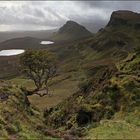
column 4, row 96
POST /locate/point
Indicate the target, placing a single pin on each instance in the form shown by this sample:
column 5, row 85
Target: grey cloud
column 95, row 22
column 92, row 14
column 60, row 19
column 111, row 4
column 39, row 13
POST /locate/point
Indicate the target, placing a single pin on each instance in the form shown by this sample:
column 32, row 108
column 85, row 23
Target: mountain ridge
column 124, row 17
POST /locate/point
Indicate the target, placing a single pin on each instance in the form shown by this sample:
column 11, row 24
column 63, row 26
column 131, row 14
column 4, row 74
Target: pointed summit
column 72, row 31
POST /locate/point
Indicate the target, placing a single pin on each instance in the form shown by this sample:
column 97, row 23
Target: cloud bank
column 44, row 15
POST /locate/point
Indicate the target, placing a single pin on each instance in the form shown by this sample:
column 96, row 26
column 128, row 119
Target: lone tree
column 39, row 66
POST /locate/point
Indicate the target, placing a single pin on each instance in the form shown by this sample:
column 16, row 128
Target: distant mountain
column 129, row 18
column 71, row 31
column 41, row 34
column 121, row 33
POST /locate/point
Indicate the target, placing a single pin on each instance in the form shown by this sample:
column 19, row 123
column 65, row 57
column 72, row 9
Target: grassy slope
column 124, row 125
column 18, row 120
column 75, row 61
column 119, row 128
column 109, row 51
column 59, row 91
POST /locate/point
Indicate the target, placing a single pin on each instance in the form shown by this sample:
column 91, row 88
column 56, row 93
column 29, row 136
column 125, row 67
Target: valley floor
column 61, row 88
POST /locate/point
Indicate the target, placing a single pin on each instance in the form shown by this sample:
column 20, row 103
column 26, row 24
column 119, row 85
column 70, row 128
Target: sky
column 46, row 15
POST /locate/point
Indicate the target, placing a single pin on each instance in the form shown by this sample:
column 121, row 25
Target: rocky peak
column 124, row 17
column 71, row 27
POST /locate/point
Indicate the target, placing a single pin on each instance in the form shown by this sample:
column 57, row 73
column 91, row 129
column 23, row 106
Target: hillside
column 108, row 98
column 127, row 18
column 41, row 34
column 22, row 43
column 71, row 31
column 95, row 93
column 18, row 118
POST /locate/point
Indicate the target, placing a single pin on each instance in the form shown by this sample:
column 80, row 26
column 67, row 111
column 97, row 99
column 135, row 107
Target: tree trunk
column 46, row 91
column 46, row 87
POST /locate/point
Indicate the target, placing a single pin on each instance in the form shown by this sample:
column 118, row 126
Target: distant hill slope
column 20, row 43
column 71, row 31
column 41, row 34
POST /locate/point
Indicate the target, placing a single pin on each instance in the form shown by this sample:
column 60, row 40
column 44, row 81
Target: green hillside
column 108, row 98
column 18, row 118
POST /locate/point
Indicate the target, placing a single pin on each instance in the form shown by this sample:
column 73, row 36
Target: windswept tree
column 39, row 66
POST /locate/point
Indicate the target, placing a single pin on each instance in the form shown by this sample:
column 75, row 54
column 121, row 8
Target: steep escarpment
column 109, row 90
column 120, row 35
column 127, row 18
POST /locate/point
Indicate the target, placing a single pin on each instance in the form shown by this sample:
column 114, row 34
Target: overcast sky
column 42, row 15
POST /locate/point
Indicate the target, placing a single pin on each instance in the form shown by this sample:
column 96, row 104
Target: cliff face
column 128, row 18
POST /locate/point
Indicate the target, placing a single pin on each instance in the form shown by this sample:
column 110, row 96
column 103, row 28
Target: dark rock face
column 83, row 117
column 3, row 96
column 125, row 18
